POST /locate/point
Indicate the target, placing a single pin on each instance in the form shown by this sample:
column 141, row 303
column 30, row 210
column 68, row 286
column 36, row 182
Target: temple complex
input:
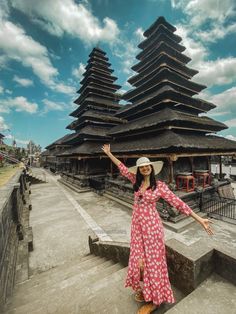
column 164, row 119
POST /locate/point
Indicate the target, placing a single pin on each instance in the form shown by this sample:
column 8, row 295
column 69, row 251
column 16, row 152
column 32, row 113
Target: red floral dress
column 147, row 241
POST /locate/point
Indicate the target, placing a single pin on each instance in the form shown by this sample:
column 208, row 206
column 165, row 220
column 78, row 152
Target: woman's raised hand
column 106, row 148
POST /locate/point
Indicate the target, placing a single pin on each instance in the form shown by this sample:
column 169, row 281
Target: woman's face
column 145, row 170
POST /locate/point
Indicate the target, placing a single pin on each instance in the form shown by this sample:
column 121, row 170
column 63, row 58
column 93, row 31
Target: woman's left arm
column 175, row 201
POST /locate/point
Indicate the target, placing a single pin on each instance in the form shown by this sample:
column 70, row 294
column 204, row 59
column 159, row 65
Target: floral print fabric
column 147, row 241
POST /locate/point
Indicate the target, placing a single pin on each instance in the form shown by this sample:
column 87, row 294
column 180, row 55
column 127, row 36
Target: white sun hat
column 144, row 161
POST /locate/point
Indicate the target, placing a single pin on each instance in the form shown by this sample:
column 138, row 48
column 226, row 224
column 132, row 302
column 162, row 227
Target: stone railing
column 15, row 234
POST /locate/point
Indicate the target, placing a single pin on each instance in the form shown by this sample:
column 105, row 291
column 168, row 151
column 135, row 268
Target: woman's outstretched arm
column 175, row 201
column 123, row 169
column 107, row 150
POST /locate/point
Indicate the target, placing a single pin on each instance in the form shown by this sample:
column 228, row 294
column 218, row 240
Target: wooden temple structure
column 164, row 119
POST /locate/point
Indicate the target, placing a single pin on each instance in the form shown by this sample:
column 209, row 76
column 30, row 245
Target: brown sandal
column 139, row 296
column 147, row 308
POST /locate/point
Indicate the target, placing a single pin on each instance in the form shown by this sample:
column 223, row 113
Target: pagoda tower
column 98, row 103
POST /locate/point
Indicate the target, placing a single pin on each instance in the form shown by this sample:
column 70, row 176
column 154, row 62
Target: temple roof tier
column 91, row 116
column 100, row 93
column 99, row 66
column 153, row 79
column 161, row 48
column 99, row 85
column 98, row 73
column 170, row 118
column 159, row 21
column 165, row 95
column 162, row 37
column 173, row 142
column 162, row 61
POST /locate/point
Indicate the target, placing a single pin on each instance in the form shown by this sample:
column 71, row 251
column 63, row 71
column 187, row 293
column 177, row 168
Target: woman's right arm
column 107, row 150
column 123, row 169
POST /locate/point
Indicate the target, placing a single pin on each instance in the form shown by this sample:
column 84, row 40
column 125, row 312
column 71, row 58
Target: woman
column 147, row 271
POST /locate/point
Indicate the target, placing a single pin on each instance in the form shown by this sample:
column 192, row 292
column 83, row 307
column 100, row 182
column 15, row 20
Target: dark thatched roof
column 159, row 21
column 167, row 117
column 61, row 140
column 163, row 60
column 162, row 47
column 155, row 78
column 87, row 148
column 162, row 36
column 164, row 95
column 172, row 142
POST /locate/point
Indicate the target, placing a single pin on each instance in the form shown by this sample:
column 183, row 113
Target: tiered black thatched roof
column 163, row 116
column 98, row 102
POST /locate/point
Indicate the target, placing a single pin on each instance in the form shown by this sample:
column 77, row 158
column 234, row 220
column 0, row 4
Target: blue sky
column 44, row 46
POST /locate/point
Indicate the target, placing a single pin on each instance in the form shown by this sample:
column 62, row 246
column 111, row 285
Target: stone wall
column 15, row 234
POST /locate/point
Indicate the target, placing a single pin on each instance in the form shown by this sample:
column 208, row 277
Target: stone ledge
column 188, row 266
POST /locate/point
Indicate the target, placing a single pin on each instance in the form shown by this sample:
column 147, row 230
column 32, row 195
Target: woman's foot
column 147, row 308
column 139, row 296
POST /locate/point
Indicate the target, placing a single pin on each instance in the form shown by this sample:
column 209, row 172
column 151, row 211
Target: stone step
column 214, row 296
column 23, row 296
column 70, row 298
column 62, row 270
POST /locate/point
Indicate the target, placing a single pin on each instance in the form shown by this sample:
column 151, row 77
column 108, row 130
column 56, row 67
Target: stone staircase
column 84, row 285
column 91, row 284
column 33, row 179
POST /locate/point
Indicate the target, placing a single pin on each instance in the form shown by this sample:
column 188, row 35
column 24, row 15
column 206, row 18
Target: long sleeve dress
column 147, row 241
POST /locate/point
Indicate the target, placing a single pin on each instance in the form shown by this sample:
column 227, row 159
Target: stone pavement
column 61, row 220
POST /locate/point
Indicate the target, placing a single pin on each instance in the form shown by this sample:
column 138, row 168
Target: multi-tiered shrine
column 98, row 102
column 166, row 119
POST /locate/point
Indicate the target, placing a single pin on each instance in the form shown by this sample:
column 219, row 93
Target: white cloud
column 225, row 102
column 194, row 49
column 231, row 123
column 211, row 15
column 3, row 125
column 216, row 72
column 52, row 106
column 200, row 11
column 19, row 103
column 18, row 141
column 67, row 16
column 231, row 137
column 217, row 32
column 126, row 51
column 1, row 90
column 62, row 88
column 78, row 72
column 23, row 81
column 139, row 33
column 18, row 46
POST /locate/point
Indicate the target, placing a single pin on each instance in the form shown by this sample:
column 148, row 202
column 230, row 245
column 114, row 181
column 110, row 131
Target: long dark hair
column 139, row 179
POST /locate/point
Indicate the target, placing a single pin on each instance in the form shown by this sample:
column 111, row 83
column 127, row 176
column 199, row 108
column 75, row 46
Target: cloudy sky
column 44, row 47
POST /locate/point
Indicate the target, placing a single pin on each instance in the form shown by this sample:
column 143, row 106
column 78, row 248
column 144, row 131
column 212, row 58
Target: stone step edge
column 72, row 187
